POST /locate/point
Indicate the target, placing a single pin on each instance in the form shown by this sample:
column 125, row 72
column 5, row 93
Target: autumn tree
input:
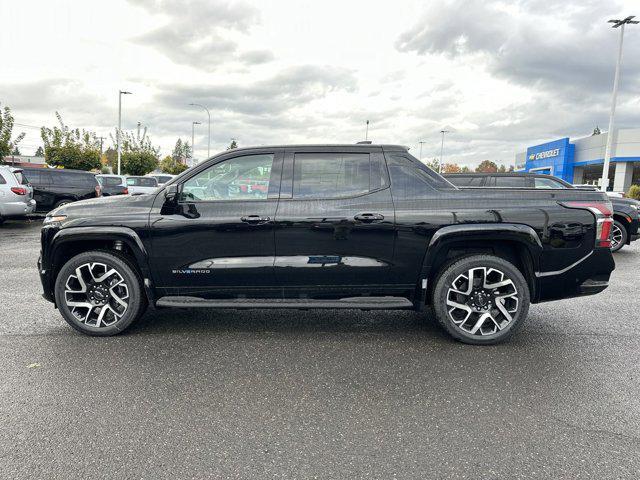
column 487, row 166
column 70, row 148
column 6, row 130
column 451, row 168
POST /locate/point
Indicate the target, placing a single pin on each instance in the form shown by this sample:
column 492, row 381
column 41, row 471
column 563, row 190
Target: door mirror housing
column 171, row 194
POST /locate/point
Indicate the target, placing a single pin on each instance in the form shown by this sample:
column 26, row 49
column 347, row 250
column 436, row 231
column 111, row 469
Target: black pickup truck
column 325, row 226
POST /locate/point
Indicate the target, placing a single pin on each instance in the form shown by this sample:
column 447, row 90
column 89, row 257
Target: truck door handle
column 254, row 219
column 369, row 217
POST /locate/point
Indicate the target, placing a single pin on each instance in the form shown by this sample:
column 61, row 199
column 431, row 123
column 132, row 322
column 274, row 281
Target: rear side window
column 22, row 180
column 465, row 180
column 69, row 179
column 332, row 175
column 2, row 180
column 411, row 179
column 142, row 182
column 541, row 182
column 111, row 181
column 509, row 182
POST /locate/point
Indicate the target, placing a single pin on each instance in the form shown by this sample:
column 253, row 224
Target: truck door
column 335, row 223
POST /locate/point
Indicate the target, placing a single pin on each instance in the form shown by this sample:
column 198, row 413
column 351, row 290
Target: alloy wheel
column 616, row 236
column 96, row 295
column 482, row 301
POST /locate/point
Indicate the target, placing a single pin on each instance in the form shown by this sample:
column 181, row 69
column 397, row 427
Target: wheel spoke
column 481, row 319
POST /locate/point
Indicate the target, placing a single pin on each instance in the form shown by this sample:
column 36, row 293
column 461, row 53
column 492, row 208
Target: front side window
column 331, row 175
column 239, row 178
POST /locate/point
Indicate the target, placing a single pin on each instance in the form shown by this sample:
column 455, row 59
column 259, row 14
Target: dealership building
column 580, row 161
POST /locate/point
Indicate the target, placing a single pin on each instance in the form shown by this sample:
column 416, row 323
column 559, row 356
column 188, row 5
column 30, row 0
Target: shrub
column 634, row 192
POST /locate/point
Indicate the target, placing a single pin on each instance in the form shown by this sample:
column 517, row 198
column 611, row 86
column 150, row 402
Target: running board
column 365, row 303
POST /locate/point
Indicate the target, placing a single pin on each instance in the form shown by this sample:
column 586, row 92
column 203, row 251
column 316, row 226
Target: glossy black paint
column 378, row 243
column 51, row 186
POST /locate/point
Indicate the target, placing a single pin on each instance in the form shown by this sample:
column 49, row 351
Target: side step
column 365, row 303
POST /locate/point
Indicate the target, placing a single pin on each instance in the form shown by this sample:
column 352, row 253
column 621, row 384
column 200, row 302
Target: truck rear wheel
column 481, row 299
column 99, row 293
column 618, row 236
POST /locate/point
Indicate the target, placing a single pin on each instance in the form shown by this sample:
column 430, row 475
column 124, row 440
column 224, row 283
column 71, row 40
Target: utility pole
column 421, row 142
column 193, row 126
column 366, row 132
column 441, row 149
column 119, row 132
column 614, row 97
column 208, row 115
column 101, row 140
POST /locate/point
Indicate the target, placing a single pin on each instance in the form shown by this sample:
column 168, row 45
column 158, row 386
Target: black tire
column 455, row 271
column 137, row 300
column 61, row 203
column 618, row 226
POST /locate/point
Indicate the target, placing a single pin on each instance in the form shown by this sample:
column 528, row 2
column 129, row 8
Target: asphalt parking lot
column 316, row 394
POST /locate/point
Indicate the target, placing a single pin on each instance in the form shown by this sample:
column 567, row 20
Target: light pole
column 441, row 149
column 366, row 132
column 209, row 115
column 614, row 97
column 118, row 133
column 193, row 127
column 421, row 142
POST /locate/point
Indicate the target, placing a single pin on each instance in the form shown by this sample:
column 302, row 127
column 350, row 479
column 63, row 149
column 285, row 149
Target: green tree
column 181, row 151
column 487, row 166
column 6, row 130
column 233, row 144
column 138, row 162
column 465, row 169
column 433, row 164
column 39, row 152
column 172, row 166
column 502, row 169
column 70, row 148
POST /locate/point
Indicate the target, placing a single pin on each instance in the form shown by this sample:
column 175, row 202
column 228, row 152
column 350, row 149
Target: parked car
column 141, row 185
column 162, row 178
column 53, row 188
column 113, row 184
column 626, row 226
column 16, row 195
column 339, row 226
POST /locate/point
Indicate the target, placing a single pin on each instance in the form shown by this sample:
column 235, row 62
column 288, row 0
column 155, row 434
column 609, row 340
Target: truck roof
column 360, row 146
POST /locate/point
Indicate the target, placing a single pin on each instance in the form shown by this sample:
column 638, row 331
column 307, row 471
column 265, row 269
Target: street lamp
column 366, row 132
column 441, row 149
column 193, row 126
column 118, row 133
column 614, row 96
column 209, row 115
column 421, row 142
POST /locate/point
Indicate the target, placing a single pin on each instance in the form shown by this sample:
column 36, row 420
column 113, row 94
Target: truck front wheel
column 99, row 293
column 481, row 299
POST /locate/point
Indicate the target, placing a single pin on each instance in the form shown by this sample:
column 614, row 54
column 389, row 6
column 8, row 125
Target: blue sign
column 555, row 158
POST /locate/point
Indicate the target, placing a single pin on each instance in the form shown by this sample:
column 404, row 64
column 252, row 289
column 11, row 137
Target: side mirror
column 171, row 194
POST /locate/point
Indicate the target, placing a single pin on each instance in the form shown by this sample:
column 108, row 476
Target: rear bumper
column 587, row 277
column 18, row 209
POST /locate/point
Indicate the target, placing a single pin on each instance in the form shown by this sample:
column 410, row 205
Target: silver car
column 16, row 194
column 141, row 185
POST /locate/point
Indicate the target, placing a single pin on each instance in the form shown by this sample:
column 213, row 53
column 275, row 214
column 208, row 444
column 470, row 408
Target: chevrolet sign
column 546, row 154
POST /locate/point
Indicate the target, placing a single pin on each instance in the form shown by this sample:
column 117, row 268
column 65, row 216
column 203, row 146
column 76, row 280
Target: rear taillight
column 19, row 190
column 604, row 219
column 98, row 191
column 125, row 191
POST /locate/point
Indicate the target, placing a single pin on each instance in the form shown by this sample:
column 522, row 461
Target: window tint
column 540, row 182
column 239, row 178
column 142, row 181
column 111, row 181
column 331, row 175
column 22, row 180
column 511, row 182
column 460, row 180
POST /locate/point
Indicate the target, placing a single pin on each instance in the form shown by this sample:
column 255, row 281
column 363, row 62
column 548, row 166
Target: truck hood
column 113, row 207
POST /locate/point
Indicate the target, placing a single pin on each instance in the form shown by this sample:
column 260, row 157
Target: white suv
column 16, row 194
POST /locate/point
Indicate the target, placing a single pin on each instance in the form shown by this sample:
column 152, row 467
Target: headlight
column 53, row 219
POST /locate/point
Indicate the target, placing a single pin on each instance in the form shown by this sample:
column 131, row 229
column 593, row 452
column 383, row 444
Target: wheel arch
column 516, row 243
column 122, row 241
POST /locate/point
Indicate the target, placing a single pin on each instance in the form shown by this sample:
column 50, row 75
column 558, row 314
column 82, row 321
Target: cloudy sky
column 501, row 74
